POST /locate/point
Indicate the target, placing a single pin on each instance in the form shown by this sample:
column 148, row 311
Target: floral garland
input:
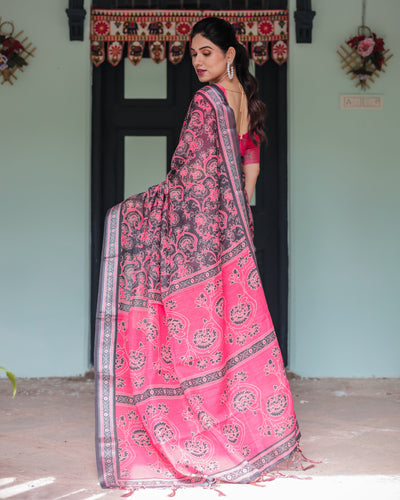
column 371, row 50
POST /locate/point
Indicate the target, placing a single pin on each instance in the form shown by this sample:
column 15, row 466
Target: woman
column 215, row 50
column 190, row 384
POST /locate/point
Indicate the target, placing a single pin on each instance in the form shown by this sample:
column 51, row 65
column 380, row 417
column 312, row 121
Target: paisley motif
column 253, row 279
column 141, row 438
column 240, row 313
column 205, row 338
column 175, row 326
column 219, row 307
column 277, row 404
column 206, row 420
column 244, row 400
column 136, row 360
column 166, row 354
column 231, row 432
column 197, row 448
column 163, row 432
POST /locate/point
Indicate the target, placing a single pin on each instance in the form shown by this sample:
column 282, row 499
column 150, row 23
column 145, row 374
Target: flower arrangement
column 13, row 53
column 371, row 49
column 10, row 53
column 364, row 56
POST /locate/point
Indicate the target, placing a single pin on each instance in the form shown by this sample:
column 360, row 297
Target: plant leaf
column 11, row 377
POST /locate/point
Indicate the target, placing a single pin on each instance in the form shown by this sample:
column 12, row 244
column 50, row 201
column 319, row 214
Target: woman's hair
column 222, row 34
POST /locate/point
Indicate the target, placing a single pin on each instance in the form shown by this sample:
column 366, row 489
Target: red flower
column 183, row 28
column 280, row 51
column 101, row 28
column 115, row 49
column 266, row 28
column 353, row 42
column 379, row 44
column 10, row 45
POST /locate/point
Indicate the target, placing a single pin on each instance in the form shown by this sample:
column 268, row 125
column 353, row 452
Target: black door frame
column 110, row 109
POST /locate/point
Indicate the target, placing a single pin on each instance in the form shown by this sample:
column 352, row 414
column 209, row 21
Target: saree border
column 106, row 328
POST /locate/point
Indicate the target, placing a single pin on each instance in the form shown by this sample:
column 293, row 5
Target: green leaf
column 11, row 377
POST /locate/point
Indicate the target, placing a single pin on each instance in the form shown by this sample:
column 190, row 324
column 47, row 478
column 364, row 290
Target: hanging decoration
column 364, row 56
column 13, row 52
column 111, row 29
column 157, row 51
column 135, row 52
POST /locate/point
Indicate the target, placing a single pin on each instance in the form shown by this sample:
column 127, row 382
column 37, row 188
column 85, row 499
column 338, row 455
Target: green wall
column 44, row 201
column 344, row 178
column 344, row 203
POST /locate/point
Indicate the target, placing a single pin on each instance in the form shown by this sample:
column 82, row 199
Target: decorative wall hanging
column 111, row 29
column 364, row 56
column 13, row 52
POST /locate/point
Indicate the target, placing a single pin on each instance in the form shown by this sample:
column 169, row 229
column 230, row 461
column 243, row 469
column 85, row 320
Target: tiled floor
column 352, row 425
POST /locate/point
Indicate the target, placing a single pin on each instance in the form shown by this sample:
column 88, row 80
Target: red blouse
column 249, row 151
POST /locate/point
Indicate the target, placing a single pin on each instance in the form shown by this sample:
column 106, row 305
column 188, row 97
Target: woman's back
column 237, row 100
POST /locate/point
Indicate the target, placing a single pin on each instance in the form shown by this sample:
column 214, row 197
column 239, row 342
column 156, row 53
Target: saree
column 190, row 384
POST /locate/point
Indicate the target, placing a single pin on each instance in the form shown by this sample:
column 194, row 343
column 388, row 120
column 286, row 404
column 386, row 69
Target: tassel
column 220, row 493
column 270, row 477
column 256, row 483
column 305, row 458
column 173, row 492
column 129, row 493
column 293, row 476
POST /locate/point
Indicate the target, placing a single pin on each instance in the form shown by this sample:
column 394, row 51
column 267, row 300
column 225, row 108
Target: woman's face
column 208, row 59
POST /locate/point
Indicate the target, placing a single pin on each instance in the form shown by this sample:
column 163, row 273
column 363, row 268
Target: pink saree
column 190, row 384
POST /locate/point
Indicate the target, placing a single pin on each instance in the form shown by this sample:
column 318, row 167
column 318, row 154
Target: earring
column 229, row 70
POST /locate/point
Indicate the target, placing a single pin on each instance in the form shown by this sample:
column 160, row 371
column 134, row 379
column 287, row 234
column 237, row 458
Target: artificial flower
column 365, row 47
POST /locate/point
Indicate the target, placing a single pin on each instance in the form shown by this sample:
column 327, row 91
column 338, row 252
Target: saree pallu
column 190, row 383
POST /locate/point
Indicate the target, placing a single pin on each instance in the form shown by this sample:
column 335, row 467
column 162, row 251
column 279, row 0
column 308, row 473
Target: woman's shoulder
column 211, row 91
column 249, row 142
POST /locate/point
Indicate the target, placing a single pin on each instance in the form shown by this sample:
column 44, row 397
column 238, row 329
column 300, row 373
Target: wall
column 344, row 178
column 344, row 171
column 44, row 201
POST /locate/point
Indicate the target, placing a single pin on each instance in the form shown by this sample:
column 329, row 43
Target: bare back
column 237, row 100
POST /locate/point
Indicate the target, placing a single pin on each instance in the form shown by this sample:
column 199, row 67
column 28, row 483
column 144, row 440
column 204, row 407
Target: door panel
column 144, row 163
column 147, row 80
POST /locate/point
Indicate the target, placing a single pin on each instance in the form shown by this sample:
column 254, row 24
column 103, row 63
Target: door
column 137, row 114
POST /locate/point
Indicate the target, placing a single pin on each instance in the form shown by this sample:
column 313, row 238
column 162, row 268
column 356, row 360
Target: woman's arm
column 251, row 171
column 251, row 166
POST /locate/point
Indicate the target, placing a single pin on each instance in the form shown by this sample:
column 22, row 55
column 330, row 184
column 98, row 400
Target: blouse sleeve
column 251, row 153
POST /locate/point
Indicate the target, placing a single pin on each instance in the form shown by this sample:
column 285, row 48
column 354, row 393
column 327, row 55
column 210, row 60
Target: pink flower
column 365, row 47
